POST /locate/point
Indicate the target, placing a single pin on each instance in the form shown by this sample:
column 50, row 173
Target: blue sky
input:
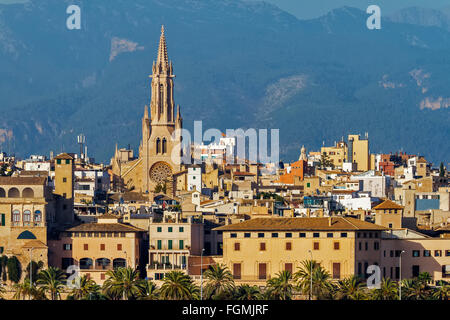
column 308, row 9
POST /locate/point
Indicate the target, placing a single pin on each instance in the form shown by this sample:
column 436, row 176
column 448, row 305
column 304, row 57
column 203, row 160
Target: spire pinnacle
column 145, row 112
column 162, row 61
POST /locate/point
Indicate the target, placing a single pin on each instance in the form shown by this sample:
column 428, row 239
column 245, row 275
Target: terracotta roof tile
column 17, row 180
column 293, row 224
column 387, row 204
column 104, row 227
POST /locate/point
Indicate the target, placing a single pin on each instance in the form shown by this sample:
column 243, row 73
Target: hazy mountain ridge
column 237, row 64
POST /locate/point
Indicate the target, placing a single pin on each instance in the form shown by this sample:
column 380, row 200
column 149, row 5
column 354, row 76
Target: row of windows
column 416, row 253
column 170, row 245
column 376, row 246
column 367, row 235
column 59, row 161
column 170, row 229
column 290, row 235
column 26, row 216
column 68, row 247
column 288, row 266
column 96, row 234
column 288, row 246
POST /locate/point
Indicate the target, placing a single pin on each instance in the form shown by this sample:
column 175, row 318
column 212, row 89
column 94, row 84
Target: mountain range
column 238, row 64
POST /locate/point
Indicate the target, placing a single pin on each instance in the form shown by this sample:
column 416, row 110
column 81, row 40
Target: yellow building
column 388, row 214
column 172, row 240
column 258, row 249
column 358, row 152
column 336, row 153
column 97, row 247
column 25, row 210
column 64, row 189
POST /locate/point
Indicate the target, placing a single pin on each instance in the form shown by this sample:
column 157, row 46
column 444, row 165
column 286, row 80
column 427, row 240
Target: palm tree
column 442, row 292
column 351, row 288
column 281, row 287
column 149, row 291
column 51, row 280
column 388, row 290
column 24, row 291
column 219, row 282
column 2, row 291
column 246, row 292
column 321, row 286
column 177, row 286
column 87, row 290
column 414, row 289
column 123, row 283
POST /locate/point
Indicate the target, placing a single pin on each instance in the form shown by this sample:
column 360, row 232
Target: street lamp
column 400, row 274
column 126, row 263
column 311, row 276
column 31, row 270
column 201, row 274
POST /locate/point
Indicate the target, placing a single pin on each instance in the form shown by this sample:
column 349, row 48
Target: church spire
column 162, row 61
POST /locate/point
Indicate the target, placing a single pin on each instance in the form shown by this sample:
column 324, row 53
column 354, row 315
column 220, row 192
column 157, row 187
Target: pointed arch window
column 158, row 146
column 164, row 146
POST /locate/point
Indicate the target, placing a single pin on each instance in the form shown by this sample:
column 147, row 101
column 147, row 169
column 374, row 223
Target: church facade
column 160, row 148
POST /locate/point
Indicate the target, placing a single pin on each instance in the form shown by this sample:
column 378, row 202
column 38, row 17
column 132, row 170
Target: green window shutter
column 1, row 249
column 58, row 161
column 3, row 220
column 170, row 244
column 181, row 229
column 67, row 161
column 159, row 244
column 159, row 229
column 181, row 243
column 170, row 229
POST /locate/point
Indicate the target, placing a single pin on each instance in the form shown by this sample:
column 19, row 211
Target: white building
column 375, row 184
column 194, row 178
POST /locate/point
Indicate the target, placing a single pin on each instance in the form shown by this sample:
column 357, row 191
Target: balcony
column 166, row 266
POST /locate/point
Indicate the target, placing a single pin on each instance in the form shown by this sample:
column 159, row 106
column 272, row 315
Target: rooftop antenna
column 81, row 140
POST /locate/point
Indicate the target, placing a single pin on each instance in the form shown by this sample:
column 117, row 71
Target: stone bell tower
column 160, row 148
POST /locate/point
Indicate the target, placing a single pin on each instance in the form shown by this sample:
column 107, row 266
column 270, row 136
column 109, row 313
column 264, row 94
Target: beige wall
column 130, row 251
column 432, row 264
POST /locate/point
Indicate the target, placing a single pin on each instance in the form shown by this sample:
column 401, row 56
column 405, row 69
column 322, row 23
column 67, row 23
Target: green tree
column 325, row 161
column 35, row 267
column 14, row 269
column 177, row 286
column 51, row 281
column 219, row 282
column 388, row 290
column 3, row 263
column 123, row 283
column 149, row 291
column 281, row 286
column 441, row 170
column 247, row 292
column 351, row 288
column 442, row 292
column 2, row 292
column 26, row 291
column 321, row 286
column 87, row 290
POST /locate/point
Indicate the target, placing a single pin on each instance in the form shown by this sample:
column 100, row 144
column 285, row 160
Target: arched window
column 119, row 262
column 158, row 146
column 164, row 146
column 102, row 263
column 2, row 193
column 27, row 193
column 37, row 216
column 26, row 217
column 16, row 217
column 13, row 193
column 86, row 263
